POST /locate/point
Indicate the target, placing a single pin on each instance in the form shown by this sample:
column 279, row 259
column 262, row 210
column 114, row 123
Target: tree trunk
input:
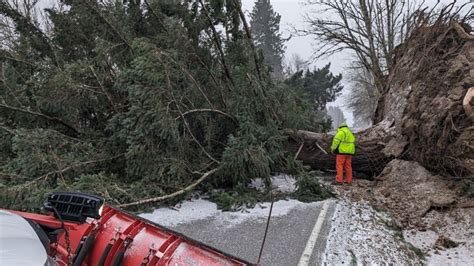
column 369, row 160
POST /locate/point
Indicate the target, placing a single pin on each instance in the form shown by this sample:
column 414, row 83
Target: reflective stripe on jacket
column 344, row 141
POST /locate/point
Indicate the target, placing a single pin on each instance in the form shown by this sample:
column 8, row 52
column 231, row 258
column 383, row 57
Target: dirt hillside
column 423, row 105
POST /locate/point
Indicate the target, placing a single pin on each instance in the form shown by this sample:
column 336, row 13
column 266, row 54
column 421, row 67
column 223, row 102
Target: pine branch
column 47, row 117
column 109, row 24
column 56, row 161
column 172, row 195
column 218, row 43
column 170, row 88
column 249, row 37
column 214, row 79
column 160, row 21
column 35, row 34
column 66, row 169
column 103, row 89
column 186, row 72
column 206, row 110
column 8, row 130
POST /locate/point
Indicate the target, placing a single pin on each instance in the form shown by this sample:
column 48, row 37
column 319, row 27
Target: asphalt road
column 287, row 238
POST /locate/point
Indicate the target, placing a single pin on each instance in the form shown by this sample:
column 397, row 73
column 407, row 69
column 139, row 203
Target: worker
column 343, row 145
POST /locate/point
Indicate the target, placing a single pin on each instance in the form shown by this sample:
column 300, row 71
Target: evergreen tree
column 265, row 24
column 321, row 85
column 130, row 100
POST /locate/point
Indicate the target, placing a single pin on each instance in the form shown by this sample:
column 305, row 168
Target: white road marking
column 308, row 250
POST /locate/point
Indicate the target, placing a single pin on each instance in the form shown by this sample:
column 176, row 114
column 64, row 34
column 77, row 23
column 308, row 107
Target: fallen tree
column 313, row 150
column 138, row 94
column 424, row 113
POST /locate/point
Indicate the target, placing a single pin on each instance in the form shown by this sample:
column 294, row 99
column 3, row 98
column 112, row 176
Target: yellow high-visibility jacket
column 344, row 141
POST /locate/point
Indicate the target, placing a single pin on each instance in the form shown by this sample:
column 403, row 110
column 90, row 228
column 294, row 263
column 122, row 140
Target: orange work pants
column 344, row 162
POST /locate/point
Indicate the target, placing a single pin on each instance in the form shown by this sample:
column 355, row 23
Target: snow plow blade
column 121, row 238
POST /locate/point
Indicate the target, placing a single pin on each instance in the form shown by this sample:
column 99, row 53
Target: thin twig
column 206, row 110
column 321, row 148
column 9, row 130
column 160, row 21
column 8, row 87
column 103, row 89
column 186, row 72
column 56, row 160
column 109, row 24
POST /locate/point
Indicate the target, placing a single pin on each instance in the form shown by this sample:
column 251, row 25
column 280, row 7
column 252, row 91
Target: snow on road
column 358, row 233
column 200, row 209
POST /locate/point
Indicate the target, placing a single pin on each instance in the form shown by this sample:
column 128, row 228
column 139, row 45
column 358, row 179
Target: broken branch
column 206, row 110
column 47, row 117
column 172, row 195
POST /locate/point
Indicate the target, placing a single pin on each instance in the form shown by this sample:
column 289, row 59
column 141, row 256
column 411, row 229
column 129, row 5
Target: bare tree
column 296, row 64
column 371, row 29
column 363, row 96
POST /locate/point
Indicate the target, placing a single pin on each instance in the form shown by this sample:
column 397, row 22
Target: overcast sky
column 292, row 14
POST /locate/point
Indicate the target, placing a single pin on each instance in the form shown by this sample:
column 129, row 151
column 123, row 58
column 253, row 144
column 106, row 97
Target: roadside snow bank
column 200, row 209
column 363, row 236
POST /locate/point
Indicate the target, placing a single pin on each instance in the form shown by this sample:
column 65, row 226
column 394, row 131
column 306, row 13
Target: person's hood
column 343, row 124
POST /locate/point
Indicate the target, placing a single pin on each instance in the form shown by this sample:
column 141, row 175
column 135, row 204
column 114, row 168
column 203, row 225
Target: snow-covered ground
column 358, row 233
column 189, row 211
column 457, row 226
column 200, row 209
column 460, row 255
column 281, row 182
column 362, row 236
